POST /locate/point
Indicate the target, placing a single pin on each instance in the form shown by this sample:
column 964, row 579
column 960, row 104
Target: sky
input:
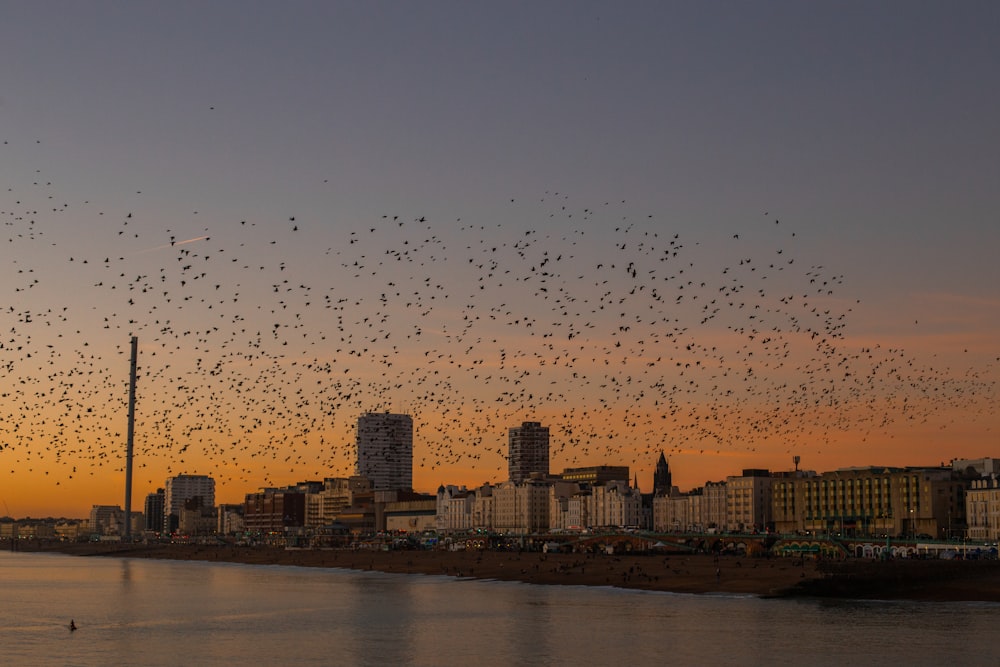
column 730, row 232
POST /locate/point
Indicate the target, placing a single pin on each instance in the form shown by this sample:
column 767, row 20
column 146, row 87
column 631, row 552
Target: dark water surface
column 146, row 612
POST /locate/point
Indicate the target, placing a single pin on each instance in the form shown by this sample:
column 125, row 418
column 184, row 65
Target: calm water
column 140, row 612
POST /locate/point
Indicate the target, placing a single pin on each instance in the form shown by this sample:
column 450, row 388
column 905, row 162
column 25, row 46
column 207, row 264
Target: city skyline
column 732, row 234
column 659, row 485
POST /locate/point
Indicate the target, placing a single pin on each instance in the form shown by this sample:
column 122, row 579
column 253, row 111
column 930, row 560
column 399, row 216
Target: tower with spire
column 662, row 481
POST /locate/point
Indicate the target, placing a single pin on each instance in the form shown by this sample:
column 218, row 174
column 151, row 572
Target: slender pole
column 131, row 436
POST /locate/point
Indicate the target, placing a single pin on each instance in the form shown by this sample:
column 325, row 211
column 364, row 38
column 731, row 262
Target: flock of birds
column 262, row 340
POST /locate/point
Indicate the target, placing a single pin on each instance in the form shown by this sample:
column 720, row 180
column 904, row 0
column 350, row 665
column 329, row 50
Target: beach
column 676, row 573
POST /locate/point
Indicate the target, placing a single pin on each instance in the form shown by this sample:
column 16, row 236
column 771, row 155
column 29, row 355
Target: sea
column 161, row 612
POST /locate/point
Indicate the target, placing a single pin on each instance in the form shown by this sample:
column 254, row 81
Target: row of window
column 849, row 484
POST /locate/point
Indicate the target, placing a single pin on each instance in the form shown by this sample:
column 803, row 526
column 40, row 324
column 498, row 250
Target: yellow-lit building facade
column 872, row 502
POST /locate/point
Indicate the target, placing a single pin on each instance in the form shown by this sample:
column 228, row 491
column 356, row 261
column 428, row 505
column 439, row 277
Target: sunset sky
column 731, row 232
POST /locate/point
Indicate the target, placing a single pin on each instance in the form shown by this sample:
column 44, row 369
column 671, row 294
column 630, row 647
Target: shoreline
column 928, row 580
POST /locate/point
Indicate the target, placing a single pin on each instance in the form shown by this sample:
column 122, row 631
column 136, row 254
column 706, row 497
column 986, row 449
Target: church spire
column 662, row 479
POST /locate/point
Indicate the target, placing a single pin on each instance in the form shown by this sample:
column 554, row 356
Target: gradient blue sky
column 868, row 128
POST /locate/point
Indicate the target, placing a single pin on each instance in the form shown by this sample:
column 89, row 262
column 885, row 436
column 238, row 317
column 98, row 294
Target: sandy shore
column 675, row 573
column 701, row 574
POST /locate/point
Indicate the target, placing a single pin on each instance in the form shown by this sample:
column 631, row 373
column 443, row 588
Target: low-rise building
column 411, row 515
column 521, row 507
column 271, row 512
column 594, row 474
column 8, row 530
column 482, row 508
column 713, row 506
column 568, row 506
column 36, row 530
column 197, row 519
column 107, row 520
column 982, row 503
column 679, row 512
column 337, row 494
column 453, row 509
column 748, row 501
column 873, row 501
column 458, row 509
column 976, row 468
column 70, row 530
column 230, row 519
column 615, row 505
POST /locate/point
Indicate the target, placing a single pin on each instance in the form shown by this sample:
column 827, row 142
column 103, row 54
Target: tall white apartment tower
column 529, row 451
column 180, row 489
column 385, row 450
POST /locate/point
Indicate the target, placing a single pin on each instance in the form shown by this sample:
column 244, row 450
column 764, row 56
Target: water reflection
column 126, row 572
column 167, row 613
column 382, row 614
